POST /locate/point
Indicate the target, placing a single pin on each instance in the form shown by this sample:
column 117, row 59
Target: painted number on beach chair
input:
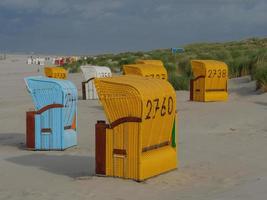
column 159, row 76
column 216, row 73
column 159, row 106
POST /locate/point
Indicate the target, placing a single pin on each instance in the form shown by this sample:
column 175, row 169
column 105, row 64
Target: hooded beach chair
column 91, row 72
column 53, row 123
column 210, row 81
column 147, row 68
column 138, row 142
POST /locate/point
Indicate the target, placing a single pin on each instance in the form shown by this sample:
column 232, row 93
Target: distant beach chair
column 147, row 68
column 91, row 72
column 210, row 81
column 55, row 72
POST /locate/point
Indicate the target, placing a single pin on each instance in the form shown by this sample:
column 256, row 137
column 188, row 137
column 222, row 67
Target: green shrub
column 184, row 66
column 179, row 82
column 127, row 60
column 261, row 76
column 170, row 67
column 240, row 66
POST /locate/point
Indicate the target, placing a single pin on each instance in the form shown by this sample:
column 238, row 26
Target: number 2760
column 154, row 107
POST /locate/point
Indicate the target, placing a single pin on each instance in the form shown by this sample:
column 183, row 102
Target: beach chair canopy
column 150, row 68
column 91, row 72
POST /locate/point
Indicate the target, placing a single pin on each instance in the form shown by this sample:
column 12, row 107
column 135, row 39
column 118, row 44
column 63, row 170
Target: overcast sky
column 101, row 26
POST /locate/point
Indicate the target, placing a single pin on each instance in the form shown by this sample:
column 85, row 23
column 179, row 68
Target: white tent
column 90, row 72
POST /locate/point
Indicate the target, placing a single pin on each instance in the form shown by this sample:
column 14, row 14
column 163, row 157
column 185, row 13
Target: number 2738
column 217, row 73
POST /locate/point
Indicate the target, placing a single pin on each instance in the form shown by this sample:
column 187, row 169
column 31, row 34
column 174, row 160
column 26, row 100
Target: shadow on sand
column 261, row 103
column 13, row 140
column 245, row 90
column 97, row 107
column 242, row 86
column 67, row 165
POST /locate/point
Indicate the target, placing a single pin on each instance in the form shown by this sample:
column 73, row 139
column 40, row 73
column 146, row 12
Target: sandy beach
column 222, row 148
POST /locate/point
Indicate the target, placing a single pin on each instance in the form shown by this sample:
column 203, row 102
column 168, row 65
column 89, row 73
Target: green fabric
column 173, row 134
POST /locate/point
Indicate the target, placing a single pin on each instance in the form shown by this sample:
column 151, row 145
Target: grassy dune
column 246, row 57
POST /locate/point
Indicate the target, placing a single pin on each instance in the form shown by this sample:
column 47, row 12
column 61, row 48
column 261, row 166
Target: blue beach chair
column 53, row 124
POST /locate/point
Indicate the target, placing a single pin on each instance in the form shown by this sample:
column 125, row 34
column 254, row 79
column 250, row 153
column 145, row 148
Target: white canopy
column 92, row 71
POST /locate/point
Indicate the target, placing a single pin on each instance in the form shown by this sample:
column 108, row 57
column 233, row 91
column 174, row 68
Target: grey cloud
column 83, row 8
column 90, row 26
column 19, row 4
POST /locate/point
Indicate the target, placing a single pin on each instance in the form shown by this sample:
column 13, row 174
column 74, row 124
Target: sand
column 222, row 149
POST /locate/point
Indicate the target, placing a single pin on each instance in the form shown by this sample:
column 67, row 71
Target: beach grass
column 246, row 57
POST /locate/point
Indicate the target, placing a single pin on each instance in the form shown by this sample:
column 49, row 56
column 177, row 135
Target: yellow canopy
column 152, row 100
column 55, row 72
column 153, row 62
column 148, row 70
column 201, row 67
